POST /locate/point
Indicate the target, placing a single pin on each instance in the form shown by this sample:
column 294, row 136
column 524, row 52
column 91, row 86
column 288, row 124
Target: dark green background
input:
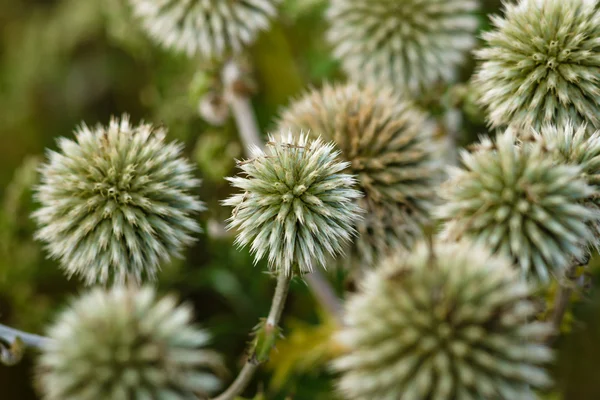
column 67, row 61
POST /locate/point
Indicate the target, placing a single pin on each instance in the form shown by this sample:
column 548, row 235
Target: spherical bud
column 388, row 145
column 572, row 145
column 452, row 322
column 296, row 205
column 411, row 45
column 541, row 64
column 123, row 344
column 115, row 202
column 518, row 201
column 209, row 28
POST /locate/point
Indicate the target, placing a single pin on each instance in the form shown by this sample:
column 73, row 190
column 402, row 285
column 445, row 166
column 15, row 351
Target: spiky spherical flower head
column 212, row 29
column 126, row 343
column 572, row 144
column 412, row 44
column 448, row 323
column 116, row 201
column 296, row 205
column 388, row 145
column 518, row 201
column 541, row 64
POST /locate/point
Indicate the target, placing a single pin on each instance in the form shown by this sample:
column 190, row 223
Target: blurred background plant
column 67, row 61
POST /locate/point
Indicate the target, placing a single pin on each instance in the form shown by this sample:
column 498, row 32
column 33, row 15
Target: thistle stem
column 241, row 107
column 561, row 302
column 247, row 125
column 245, row 376
column 9, row 335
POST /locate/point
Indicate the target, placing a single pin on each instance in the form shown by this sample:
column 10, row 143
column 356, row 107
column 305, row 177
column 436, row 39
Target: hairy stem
column 271, row 325
column 324, row 294
column 9, row 335
column 241, row 107
column 245, row 119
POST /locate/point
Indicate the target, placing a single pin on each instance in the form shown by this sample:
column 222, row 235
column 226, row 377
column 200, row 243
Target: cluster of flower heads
column 296, row 205
column 116, row 201
column 209, row 28
column 452, row 322
column 411, row 44
column 518, row 201
column 126, row 343
column 541, row 64
column 387, row 143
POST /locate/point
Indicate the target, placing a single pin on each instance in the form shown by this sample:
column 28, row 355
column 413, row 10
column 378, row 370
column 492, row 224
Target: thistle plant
column 115, row 202
column 208, row 28
column 296, row 205
column 541, row 64
column 126, row 343
column 412, row 44
column 453, row 322
column 517, row 201
column 388, row 146
column 573, row 145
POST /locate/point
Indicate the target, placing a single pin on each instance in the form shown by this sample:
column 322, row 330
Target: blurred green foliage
column 67, row 61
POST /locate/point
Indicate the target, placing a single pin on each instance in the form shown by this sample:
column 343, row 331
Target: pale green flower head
column 388, row 144
column 410, row 44
column 541, row 64
column 116, row 202
column 211, row 29
column 573, row 145
column 126, row 343
column 452, row 322
column 296, row 206
column 518, row 201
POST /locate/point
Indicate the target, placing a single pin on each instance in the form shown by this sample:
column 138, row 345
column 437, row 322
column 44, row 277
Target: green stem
column 270, row 325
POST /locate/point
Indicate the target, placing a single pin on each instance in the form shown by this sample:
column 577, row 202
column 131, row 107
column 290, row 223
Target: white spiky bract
column 388, row 145
column 126, row 343
column 572, row 144
column 209, row 28
column 541, row 64
column 449, row 324
column 296, row 205
column 411, row 44
column 516, row 200
column 116, row 201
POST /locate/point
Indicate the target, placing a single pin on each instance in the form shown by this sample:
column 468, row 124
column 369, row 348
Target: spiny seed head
column 124, row 344
column 116, row 201
column 296, row 204
column 388, row 145
column 209, row 28
column 541, row 64
column 411, row 44
column 571, row 144
column 452, row 324
column 518, row 201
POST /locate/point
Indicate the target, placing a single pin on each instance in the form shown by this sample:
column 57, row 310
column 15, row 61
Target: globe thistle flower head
column 296, row 206
column 541, row 64
column 518, row 201
column 412, row 44
column 388, row 146
column 126, row 343
column 115, row 202
column 573, row 145
column 446, row 323
column 209, row 28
